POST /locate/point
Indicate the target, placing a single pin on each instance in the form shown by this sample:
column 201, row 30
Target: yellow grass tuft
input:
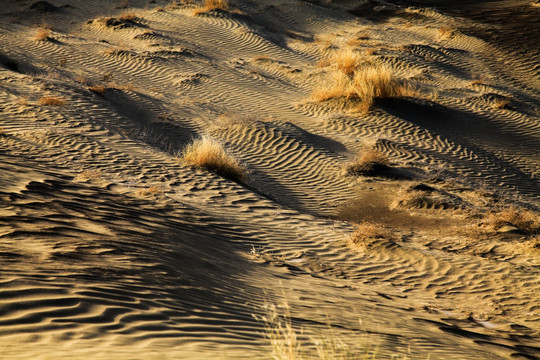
column 148, row 191
column 206, row 152
column 289, row 343
column 51, row 101
column 128, row 17
column 369, row 163
column 345, row 61
column 209, row 5
column 98, row 89
column 523, row 219
column 367, row 233
column 89, row 174
column 359, row 92
column 43, row 34
column 501, row 104
column 446, row 32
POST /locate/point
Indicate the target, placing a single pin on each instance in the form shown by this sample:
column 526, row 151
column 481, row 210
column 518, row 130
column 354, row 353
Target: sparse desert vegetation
column 89, row 175
column 288, row 342
column 366, row 234
column 152, row 190
column 445, row 32
column 209, row 5
column 98, row 89
column 128, row 17
column 43, row 34
column 359, row 89
column 51, row 101
column 206, row 152
column 369, row 162
column 501, row 104
column 520, row 218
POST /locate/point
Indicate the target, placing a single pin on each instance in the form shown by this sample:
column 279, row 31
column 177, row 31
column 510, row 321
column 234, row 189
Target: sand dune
column 112, row 247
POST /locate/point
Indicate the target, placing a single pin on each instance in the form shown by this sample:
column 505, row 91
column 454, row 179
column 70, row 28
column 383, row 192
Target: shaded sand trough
column 110, row 247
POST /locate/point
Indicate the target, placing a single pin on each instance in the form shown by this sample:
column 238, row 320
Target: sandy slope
column 112, row 248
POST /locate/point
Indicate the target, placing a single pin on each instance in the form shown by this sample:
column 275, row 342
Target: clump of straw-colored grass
column 209, row 153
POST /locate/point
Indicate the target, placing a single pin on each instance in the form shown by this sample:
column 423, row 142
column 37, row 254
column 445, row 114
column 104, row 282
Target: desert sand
column 114, row 246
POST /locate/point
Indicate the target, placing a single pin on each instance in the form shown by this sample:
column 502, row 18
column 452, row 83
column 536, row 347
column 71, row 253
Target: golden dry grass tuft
column 23, row 101
column 359, row 91
column 367, row 233
column 153, row 190
column 370, row 162
column 347, row 62
column 280, row 332
column 446, row 32
column 51, row 101
column 501, row 104
column 89, row 174
column 98, row 89
column 209, row 5
column 209, row 153
column 523, row 219
column 43, row 34
column 128, row 17
column 289, row 343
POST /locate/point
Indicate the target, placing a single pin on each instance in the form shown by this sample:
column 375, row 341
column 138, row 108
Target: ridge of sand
column 112, row 247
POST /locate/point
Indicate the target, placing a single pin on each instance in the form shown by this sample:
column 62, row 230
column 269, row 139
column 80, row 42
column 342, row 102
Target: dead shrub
column 209, row 153
column 153, row 190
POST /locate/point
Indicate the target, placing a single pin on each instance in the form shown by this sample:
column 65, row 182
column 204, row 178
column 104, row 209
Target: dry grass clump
column 148, row 191
column 370, row 162
column 359, row 91
column 501, row 104
column 281, row 334
column 523, row 219
column 98, row 89
column 43, row 34
column 367, row 233
column 89, row 174
column 128, row 17
column 51, row 101
column 289, row 343
column 209, row 153
column 209, row 5
column 345, row 61
column 446, row 32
